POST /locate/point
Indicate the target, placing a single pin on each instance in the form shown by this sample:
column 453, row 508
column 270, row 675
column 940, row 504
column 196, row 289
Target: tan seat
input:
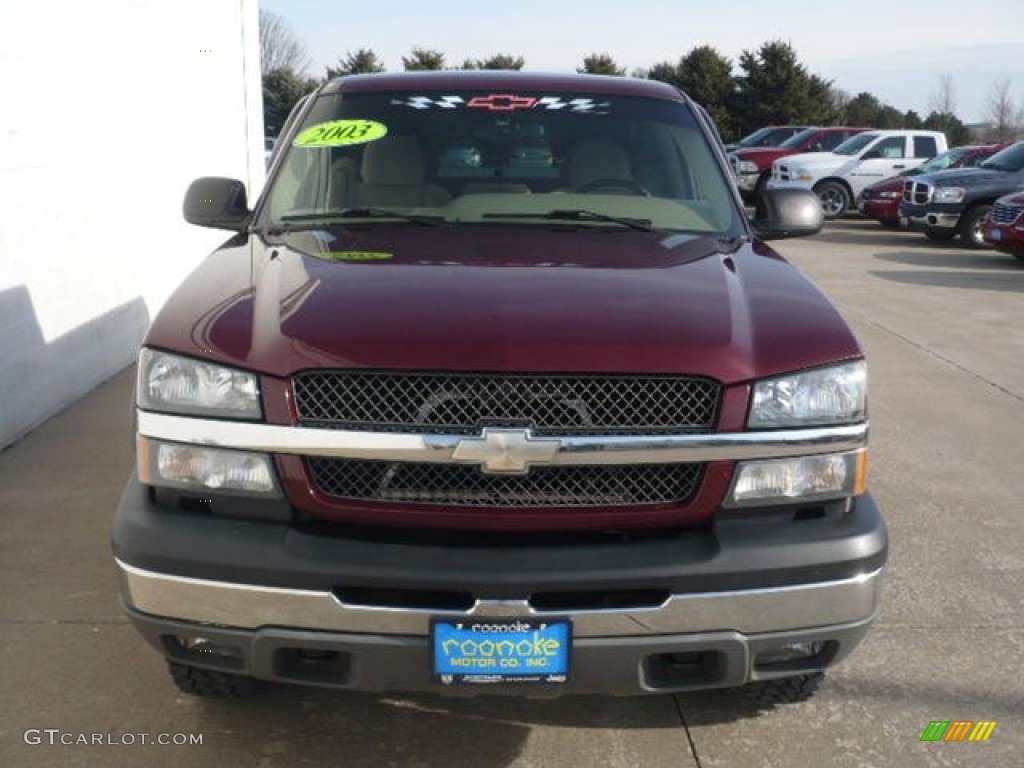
column 393, row 172
column 597, row 159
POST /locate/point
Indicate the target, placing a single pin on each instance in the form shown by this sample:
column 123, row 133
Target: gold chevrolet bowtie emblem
column 506, row 451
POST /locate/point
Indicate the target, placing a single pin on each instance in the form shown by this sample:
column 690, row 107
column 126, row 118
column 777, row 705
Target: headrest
column 595, row 159
column 393, row 160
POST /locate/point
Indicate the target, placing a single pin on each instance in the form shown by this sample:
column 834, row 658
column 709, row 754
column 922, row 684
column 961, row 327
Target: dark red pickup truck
column 497, row 389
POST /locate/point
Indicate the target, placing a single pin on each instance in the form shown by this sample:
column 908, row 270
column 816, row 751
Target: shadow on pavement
column 982, row 281
column 955, row 259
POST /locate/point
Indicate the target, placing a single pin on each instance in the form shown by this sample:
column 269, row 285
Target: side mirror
column 218, row 203
column 786, row 213
column 873, row 154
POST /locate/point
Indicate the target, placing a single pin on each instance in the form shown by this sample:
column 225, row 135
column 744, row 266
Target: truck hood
column 976, row 177
column 820, row 161
column 524, row 299
column 764, row 155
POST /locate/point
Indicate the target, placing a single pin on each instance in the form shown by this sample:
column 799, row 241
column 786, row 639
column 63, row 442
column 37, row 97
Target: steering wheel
column 611, row 183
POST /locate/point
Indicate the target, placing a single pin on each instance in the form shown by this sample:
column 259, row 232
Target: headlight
column 175, row 384
column 202, row 469
column 807, row 478
column 890, row 195
column 748, row 167
column 949, row 194
column 834, row 395
column 802, row 174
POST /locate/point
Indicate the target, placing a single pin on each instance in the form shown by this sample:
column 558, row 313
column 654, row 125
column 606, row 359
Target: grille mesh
column 1003, row 213
column 467, row 486
column 917, row 192
column 461, row 404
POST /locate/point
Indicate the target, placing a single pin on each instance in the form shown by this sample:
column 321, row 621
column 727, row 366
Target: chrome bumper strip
column 749, row 611
column 571, row 450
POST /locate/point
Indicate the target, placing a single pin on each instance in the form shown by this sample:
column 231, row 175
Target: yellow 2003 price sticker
column 340, row 133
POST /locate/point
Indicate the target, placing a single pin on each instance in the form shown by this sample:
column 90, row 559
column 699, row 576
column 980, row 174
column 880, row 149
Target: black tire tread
column 210, row 683
column 768, row 694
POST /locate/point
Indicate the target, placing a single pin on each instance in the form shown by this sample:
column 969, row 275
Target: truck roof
column 488, row 79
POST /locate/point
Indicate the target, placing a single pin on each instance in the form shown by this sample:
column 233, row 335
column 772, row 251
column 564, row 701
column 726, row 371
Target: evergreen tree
column 363, row 61
column 775, row 88
column 423, row 59
column 601, row 64
column 282, row 90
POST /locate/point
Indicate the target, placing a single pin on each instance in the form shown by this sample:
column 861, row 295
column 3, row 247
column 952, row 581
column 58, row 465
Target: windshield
column 945, row 160
column 1009, row 159
column 855, row 144
column 794, row 141
column 508, row 159
column 766, row 137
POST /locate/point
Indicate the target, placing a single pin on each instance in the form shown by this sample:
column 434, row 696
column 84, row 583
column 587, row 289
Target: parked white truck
column 838, row 177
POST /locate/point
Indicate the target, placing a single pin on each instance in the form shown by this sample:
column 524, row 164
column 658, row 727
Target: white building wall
column 108, row 109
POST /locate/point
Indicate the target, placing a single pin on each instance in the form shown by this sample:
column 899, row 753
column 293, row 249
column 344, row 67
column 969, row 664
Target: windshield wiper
column 299, row 221
column 577, row 214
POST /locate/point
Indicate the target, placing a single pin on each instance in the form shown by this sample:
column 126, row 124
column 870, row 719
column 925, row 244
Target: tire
column 759, row 190
column 969, row 228
column 939, row 236
column 768, row 694
column 205, row 682
column 835, row 199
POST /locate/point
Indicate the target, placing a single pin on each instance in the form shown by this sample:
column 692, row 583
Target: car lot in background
column 881, row 201
column 838, row 177
column 769, row 136
column 753, row 165
column 953, row 203
column 1004, row 227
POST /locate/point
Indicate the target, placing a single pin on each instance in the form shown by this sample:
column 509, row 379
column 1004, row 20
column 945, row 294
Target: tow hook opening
column 684, row 670
column 313, row 665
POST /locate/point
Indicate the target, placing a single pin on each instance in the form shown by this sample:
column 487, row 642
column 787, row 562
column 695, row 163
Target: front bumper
column 932, row 218
column 355, row 612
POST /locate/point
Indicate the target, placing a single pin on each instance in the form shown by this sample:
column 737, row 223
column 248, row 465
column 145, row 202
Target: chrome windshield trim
column 443, row 449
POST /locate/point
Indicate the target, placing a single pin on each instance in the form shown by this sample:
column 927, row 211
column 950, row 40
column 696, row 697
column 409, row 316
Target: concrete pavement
column 944, row 333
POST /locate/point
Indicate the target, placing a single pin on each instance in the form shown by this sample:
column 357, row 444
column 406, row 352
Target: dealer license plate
column 994, row 234
column 507, row 650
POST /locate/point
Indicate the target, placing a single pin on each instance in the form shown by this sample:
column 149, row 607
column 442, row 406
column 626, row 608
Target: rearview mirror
column 216, row 202
column 786, row 213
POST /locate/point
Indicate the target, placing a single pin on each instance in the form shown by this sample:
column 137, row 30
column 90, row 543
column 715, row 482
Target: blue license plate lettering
column 482, row 651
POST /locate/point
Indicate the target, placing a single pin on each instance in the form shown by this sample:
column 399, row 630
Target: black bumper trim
column 735, row 554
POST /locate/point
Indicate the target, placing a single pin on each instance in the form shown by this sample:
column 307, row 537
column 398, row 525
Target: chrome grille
column 465, row 486
column 917, row 192
column 462, row 404
column 1004, row 213
column 781, row 172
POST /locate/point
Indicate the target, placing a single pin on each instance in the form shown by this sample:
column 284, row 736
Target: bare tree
column 944, row 96
column 280, row 48
column 1005, row 116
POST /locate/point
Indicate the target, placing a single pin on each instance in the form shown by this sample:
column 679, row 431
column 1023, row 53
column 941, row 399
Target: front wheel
column 971, row 224
column 834, row 197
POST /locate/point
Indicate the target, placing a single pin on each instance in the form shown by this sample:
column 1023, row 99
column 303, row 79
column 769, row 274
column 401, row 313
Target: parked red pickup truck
column 753, row 166
column 496, row 389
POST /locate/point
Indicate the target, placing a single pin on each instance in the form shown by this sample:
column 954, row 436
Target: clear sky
column 895, row 49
